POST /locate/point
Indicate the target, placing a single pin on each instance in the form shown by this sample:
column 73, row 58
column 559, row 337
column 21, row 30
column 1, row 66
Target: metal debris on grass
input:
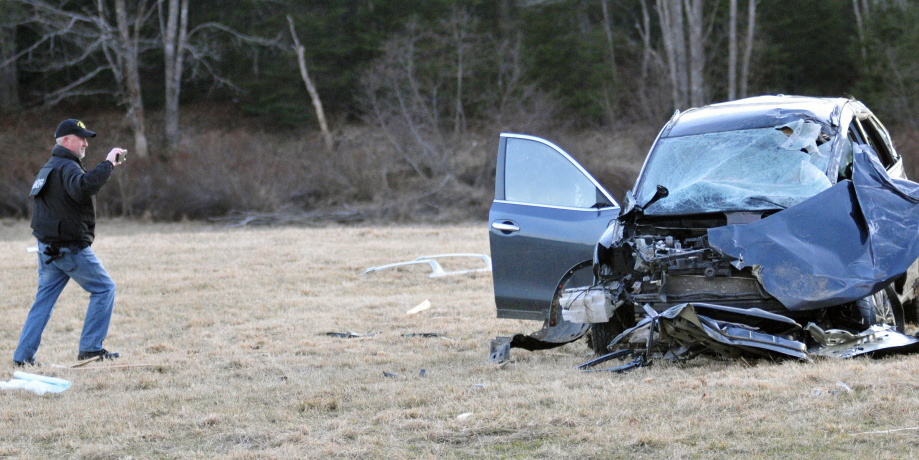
column 437, row 269
column 688, row 330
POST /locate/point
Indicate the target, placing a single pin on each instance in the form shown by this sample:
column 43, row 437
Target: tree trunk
column 9, row 76
column 609, row 89
column 695, row 26
column 748, row 48
column 459, row 117
column 128, row 52
column 609, row 38
column 860, row 27
column 645, row 41
column 682, row 55
column 670, row 50
column 314, row 95
column 644, row 29
column 732, row 50
column 460, row 30
column 505, row 24
column 174, row 42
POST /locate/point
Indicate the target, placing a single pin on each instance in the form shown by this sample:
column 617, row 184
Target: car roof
column 756, row 112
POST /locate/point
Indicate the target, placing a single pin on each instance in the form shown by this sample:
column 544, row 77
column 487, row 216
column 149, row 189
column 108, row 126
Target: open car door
column 546, row 218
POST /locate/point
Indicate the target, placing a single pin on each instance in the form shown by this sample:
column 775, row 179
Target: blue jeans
column 84, row 267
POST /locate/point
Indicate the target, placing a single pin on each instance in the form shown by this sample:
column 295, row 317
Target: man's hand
column 116, row 156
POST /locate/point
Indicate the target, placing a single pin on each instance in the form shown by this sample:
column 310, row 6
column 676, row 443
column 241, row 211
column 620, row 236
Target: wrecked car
column 766, row 226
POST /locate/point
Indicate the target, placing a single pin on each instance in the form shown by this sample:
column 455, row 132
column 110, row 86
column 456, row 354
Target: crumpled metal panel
column 689, row 328
column 876, row 341
column 845, row 243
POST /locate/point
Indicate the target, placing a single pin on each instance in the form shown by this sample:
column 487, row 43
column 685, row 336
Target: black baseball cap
column 73, row 127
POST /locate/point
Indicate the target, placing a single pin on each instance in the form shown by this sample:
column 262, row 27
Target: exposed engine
column 662, row 266
column 661, row 271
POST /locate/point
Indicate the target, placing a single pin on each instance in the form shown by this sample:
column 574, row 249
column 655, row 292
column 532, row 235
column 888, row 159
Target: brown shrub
column 228, row 166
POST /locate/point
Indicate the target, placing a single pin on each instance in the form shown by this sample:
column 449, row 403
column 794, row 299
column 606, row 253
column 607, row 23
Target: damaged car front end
column 758, row 227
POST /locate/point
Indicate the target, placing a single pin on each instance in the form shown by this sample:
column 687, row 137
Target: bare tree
column 860, row 27
column 185, row 46
column 311, row 88
column 696, row 44
column 684, row 34
column 645, row 31
column 175, row 38
column 670, row 51
column 732, row 50
column 96, row 41
column 404, row 103
column 13, row 16
column 123, row 55
column 9, row 75
column 748, row 48
column 649, row 57
column 674, row 40
column 608, row 31
column 459, row 25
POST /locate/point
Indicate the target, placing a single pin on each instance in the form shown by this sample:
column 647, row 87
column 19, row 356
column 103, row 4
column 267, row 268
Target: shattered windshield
column 744, row 170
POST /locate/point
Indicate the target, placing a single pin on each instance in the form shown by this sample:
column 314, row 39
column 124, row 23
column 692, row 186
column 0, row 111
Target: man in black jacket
column 64, row 222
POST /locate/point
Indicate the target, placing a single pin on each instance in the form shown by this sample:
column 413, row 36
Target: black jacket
column 64, row 207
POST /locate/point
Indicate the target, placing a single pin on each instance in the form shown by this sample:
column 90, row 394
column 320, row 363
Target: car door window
column 536, row 173
column 883, row 138
column 877, row 138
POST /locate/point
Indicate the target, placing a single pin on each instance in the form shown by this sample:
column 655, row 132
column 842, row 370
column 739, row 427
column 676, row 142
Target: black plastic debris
column 349, row 335
column 638, row 360
column 552, row 335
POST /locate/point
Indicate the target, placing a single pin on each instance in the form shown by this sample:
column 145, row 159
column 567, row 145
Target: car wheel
column 887, row 309
column 601, row 334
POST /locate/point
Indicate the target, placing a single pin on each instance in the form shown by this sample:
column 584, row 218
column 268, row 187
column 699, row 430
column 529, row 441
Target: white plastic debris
column 436, row 269
column 420, row 307
column 38, row 384
column 586, row 305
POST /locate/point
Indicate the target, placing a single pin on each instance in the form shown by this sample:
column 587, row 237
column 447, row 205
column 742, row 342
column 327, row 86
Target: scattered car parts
column 436, row 268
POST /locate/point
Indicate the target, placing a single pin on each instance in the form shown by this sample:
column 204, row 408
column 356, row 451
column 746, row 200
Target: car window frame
column 878, row 140
column 501, row 192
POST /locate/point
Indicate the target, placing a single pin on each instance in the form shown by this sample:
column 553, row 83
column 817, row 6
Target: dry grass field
column 225, row 354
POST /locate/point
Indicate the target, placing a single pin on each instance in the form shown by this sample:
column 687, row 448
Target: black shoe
column 103, row 354
column 28, row 362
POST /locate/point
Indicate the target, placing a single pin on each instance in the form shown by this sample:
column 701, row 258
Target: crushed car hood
column 843, row 244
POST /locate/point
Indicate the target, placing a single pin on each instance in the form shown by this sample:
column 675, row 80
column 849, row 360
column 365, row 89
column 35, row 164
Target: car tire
column 601, row 334
column 911, row 311
column 890, row 310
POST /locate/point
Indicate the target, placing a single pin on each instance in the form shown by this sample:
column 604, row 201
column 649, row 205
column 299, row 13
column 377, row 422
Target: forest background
column 381, row 110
